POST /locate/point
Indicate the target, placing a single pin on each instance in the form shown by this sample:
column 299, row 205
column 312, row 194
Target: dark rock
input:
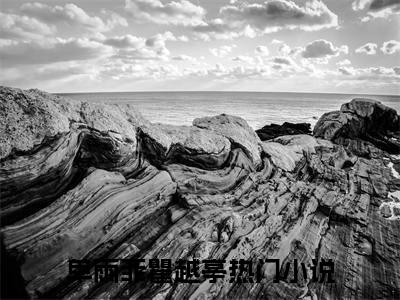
column 272, row 131
column 364, row 119
column 396, row 211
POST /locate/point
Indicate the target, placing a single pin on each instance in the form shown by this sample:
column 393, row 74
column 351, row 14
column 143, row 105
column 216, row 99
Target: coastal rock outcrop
column 363, row 119
column 269, row 132
column 96, row 181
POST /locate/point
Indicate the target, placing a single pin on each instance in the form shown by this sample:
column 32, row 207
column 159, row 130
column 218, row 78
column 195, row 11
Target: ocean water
column 257, row 108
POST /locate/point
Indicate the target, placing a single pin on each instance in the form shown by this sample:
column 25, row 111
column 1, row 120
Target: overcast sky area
column 337, row 46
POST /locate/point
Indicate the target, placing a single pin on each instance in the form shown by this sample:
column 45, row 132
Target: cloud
column 382, row 4
column 371, row 73
column 51, row 50
column 15, row 26
column 347, row 71
column 377, row 8
column 184, row 57
column 322, row 49
column 72, row 15
column 222, row 51
column 262, row 50
column 368, row 48
column 360, row 4
column 282, row 61
column 344, row 62
column 251, row 19
column 285, row 49
column 391, row 47
column 283, row 14
column 244, row 59
column 178, row 12
column 132, row 48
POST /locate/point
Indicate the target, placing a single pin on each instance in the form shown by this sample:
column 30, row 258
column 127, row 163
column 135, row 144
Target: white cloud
column 73, row 15
column 244, row 59
column 251, row 19
column 368, row 48
column 344, row 62
column 222, row 51
column 322, row 49
column 282, row 62
column 391, row 47
column 371, row 73
column 51, row 50
column 178, row 12
column 285, row 50
column 131, row 48
column 262, row 50
column 184, row 57
column 360, row 4
column 15, row 26
column 377, row 8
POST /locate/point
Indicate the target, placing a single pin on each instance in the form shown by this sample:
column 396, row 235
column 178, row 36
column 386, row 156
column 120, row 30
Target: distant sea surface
column 257, row 108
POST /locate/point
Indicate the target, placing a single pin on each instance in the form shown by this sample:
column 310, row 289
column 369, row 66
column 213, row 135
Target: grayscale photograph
column 200, row 149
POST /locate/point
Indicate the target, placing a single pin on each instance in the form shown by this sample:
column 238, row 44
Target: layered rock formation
column 95, row 181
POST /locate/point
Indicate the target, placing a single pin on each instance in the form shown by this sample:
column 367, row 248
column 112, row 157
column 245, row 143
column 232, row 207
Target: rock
column 386, row 211
column 396, row 211
column 93, row 182
column 236, row 130
column 287, row 151
column 363, row 119
column 198, row 147
column 272, row 131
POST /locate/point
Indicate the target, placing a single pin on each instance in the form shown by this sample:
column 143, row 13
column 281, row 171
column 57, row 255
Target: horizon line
column 219, row 91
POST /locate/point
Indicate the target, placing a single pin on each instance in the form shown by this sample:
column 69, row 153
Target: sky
column 333, row 46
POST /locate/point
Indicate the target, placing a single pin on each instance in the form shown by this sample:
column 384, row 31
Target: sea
column 257, row 108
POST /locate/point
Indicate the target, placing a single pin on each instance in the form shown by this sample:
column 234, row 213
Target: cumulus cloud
column 15, row 26
column 368, row 48
column 51, row 50
column 73, row 15
column 322, row 49
column 178, row 12
column 360, row 4
column 131, row 47
column 222, row 51
column 250, row 19
column 391, row 47
column 262, row 50
column 285, row 50
column 377, row 8
column 281, row 13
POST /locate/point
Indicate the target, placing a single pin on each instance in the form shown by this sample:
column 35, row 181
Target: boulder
column 236, row 130
column 363, row 119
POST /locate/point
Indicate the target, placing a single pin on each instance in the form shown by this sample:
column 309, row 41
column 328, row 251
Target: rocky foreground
column 91, row 181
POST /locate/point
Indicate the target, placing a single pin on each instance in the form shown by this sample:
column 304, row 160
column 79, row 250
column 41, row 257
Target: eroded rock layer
column 95, row 181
